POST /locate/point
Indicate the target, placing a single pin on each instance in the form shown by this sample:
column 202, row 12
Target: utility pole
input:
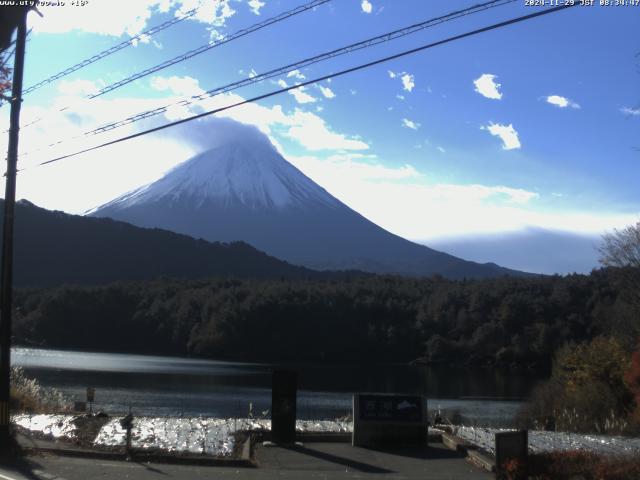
column 6, row 286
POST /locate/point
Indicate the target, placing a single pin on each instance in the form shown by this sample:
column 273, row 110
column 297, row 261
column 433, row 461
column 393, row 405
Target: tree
column 621, row 248
column 632, row 378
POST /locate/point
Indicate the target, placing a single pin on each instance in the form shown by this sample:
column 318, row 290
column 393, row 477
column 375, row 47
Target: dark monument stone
column 283, row 406
column 396, row 419
column 512, row 453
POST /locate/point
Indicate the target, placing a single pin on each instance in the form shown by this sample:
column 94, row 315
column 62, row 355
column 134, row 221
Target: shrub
column 590, row 466
column 27, row 395
column 632, row 378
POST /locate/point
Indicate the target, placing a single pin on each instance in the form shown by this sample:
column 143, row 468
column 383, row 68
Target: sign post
column 91, row 394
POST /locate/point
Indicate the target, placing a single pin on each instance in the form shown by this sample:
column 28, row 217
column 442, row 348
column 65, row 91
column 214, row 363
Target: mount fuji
column 243, row 189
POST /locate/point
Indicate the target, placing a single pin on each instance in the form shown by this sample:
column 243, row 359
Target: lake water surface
column 154, row 385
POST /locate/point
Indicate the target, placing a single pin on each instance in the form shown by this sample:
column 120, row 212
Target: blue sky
column 533, row 126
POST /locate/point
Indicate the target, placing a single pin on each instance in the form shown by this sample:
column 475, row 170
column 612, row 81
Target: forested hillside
column 53, row 248
column 517, row 322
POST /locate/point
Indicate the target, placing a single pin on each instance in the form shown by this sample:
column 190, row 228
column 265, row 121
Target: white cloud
column 407, row 82
column 282, row 84
column 441, row 150
column 400, row 97
column 100, row 17
column 213, row 13
column 389, row 196
column 143, row 38
column 561, row 102
column 154, row 154
column 216, row 36
column 400, row 198
column 507, row 134
column 296, row 74
column 253, row 73
column 352, row 166
column 366, row 6
column 327, row 92
column 630, row 111
column 183, row 86
column 78, row 87
column 313, row 133
column 255, row 6
column 410, row 124
column 391, row 74
column 487, row 87
column 301, row 95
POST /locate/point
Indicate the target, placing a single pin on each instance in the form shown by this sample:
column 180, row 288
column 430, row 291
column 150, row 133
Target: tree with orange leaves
column 632, row 379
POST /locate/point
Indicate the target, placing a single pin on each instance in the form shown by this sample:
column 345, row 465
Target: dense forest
column 515, row 322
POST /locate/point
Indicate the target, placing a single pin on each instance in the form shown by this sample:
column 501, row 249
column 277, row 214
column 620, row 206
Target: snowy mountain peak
column 241, row 188
column 248, row 173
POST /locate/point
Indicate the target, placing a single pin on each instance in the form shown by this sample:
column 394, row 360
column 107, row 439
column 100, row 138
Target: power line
column 370, row 42
column 111, row 50
column 197, row 51
column 319, row 79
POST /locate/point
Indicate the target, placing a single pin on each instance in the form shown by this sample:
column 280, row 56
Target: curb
column 455, row 443
column 481, row 460
column 475, row 456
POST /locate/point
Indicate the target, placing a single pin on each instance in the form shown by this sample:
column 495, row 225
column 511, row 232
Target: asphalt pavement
column 311, row 460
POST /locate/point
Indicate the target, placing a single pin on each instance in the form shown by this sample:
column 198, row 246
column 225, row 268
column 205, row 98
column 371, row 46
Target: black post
column 283, row 406
column 6, row 286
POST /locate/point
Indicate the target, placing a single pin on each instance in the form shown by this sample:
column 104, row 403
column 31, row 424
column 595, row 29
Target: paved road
column 314, row 460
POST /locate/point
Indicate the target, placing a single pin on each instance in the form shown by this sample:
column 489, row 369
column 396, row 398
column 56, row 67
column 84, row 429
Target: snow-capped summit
column 243, row 189
column 250, row 174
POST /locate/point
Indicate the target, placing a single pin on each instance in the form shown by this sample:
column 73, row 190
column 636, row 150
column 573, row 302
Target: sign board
column 512, row 446
column 390, row 408
column 91, row 393
column 380, row 418
column 283, row 406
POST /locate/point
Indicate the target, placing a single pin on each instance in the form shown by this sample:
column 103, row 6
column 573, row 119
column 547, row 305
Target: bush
column 632, row 378
column 27, row 395
column 590, row 466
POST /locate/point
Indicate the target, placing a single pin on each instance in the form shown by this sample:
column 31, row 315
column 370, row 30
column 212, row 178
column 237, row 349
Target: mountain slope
column 244, row 190
column 52, row 248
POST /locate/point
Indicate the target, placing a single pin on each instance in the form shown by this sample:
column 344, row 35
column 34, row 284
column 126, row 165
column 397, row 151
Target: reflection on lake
column 153, row 385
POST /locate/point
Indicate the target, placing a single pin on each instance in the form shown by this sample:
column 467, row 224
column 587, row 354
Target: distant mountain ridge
column 54, row 248
column 245, row 190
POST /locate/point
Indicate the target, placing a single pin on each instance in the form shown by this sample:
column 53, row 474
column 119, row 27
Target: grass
column 27, row 395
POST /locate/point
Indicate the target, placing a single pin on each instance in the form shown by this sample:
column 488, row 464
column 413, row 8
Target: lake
column 170, row 386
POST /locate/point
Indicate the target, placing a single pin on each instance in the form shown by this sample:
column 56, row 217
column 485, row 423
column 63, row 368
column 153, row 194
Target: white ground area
column 57, row 426
column 211, row 436
column 540, row 441
column 214, row 436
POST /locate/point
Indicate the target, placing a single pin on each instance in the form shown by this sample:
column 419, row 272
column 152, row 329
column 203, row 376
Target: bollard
column 283, row 406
